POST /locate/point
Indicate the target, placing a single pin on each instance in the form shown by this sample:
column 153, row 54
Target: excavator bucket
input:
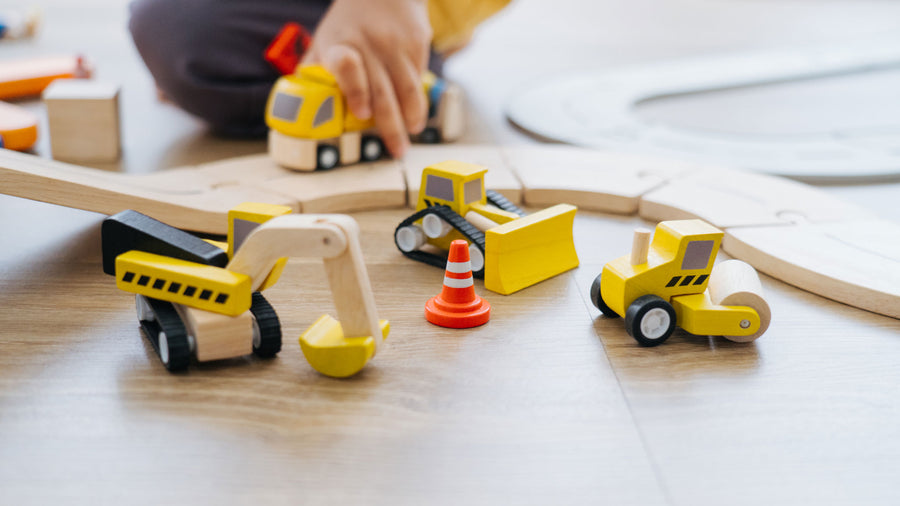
column 528, row 250
column 331, row 353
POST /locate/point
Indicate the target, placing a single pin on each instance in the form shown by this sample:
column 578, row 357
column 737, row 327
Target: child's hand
column 377, row 51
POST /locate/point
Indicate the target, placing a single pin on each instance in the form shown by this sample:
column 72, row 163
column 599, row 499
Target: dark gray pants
column 207, row 55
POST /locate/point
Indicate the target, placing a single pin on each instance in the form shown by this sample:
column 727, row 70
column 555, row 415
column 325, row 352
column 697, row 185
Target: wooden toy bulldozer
column 510, row 250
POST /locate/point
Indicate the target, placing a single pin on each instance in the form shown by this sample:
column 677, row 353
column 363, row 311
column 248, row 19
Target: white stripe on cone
column 458, row 283
column 459, row 267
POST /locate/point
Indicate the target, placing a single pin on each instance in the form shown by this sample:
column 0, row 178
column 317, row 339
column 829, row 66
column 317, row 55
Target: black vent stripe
column 700, row 279
column 687, row 280
column 673, row 282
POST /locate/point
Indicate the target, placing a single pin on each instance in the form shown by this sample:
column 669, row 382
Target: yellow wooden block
column 196, row 285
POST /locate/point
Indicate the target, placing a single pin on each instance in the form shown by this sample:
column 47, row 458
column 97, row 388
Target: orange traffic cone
column 458, row 306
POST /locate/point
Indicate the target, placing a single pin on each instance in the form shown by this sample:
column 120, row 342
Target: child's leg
column 207, row 55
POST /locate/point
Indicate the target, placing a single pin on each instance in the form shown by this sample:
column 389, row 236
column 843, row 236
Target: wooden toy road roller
column 312, row 128
column 673, row 281
column 193, row 300
column 509, row 250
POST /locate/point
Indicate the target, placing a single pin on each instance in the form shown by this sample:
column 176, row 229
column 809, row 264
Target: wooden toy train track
column 788, row 230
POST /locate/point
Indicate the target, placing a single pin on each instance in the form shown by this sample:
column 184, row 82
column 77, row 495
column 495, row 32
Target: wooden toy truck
column 193, row 300
column 509, row 250
column 312, row 128
column 673, row 281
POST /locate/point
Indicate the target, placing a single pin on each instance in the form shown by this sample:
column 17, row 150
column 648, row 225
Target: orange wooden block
column 28, row 78
column 18, row 127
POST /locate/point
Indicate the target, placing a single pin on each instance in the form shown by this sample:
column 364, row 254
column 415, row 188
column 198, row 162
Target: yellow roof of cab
column 461, row 169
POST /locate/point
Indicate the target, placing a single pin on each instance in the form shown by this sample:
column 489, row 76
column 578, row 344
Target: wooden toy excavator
column 673, row 280
column 200, row 298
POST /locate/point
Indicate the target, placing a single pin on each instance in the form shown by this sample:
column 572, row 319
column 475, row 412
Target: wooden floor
column 548, row 403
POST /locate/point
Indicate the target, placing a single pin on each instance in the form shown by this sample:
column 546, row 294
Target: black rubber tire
column 636, row 313
column 597, row 299
column 322, row 157
column 269, row 327
column 166, row 319
column 366, row 141
column 430, row 135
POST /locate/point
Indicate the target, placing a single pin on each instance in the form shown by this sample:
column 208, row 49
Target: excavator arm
column 337, row 348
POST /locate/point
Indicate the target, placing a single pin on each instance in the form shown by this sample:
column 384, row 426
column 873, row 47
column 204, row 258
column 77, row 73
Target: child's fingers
column 347, row 66
column 386, row 109
column 407, row 83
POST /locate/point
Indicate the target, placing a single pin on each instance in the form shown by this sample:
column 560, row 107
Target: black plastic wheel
column 597, row 299
column 371, row 148
column 166, row 332
column 650, row 320
column 430, row 136
column 327, row 157
column 267, row 342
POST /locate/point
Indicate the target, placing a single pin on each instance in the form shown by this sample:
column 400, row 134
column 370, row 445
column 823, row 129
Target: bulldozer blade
column 331, row 353
column 529, row 250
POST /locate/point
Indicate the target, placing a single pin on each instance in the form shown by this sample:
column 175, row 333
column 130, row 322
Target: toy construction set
column 203, row 300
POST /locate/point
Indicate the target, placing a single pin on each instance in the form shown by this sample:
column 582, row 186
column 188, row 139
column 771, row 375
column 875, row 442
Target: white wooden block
column 83, row 120
column 499, row 177
column 589, row 179
column 856, row 262
column 733, row 198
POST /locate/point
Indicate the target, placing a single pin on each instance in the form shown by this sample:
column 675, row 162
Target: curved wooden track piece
column 788, row 230
column 856, row 262
column 198, row 198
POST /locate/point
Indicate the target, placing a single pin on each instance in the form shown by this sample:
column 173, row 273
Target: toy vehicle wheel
column 597, row 299
column 650, row 320
column 476, row 257
column 371, row 148
column 165, row 331
column 327, row 157
column 430, row 136
column 266, row 327
column 409, row 238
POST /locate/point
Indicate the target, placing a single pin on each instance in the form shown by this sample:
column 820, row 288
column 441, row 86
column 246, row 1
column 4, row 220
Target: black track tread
column 168, row 321
column 468, row 231
column 269, row 326
column 502, row 202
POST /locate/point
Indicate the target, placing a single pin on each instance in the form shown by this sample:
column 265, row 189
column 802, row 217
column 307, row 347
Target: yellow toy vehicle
column 673, row 281
column 194, row 299
column 312, row 128
column 509, row 250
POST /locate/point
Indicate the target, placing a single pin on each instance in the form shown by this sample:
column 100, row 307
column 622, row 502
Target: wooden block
column 360, row 187
column 589, row 179
column 18, row 127
column 27, row 78
column 83, row 119
column 732, row 198
column 856, row 262
column 218, row 336
column 498, row 177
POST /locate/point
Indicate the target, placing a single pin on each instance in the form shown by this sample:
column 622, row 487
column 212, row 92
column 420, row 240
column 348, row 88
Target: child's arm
column 378, row 50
